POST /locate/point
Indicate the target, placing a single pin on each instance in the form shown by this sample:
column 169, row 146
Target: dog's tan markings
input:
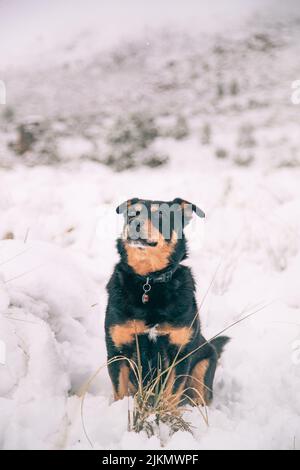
column 197, row 382
column 125, row 387
column 123, row 383
column 151, row 258
column 154, row 208
column 179, row 336
column 136, row 207
column 186, row 205
column 125, row 333
column 171, row 398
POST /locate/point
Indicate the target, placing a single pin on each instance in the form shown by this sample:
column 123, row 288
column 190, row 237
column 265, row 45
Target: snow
column 245, row 255
column 52, row 302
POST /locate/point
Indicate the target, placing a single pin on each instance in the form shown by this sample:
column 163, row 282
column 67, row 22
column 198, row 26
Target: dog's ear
column 125, row 205
column 185, row 205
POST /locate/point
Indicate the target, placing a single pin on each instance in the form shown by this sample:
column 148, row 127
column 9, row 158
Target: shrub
column 246, row 136
column 206, row 134
column 221, row 153
column 130, row 141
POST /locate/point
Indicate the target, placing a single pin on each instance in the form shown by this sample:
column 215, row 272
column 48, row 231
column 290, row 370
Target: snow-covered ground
column 52, row 301
column 57, row 250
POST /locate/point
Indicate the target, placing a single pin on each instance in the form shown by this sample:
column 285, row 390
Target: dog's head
column 153, row 232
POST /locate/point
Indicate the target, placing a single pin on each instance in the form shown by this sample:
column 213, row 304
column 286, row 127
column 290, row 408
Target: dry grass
column 154, row 404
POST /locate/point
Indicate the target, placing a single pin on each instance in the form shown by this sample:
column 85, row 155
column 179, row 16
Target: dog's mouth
column 140, row 243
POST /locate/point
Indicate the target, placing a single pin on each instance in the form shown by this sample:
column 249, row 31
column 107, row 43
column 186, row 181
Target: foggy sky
column 29, row 27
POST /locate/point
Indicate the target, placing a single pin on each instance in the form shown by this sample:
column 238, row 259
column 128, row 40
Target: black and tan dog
column 152, row 301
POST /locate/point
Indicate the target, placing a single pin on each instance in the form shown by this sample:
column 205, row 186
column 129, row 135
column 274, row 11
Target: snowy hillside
column 230, row 91
column 209, row 118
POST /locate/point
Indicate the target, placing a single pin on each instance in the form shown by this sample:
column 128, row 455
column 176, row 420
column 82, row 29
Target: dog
column 152, row 317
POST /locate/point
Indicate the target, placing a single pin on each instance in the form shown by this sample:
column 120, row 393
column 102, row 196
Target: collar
column 161, row 277
column 153, row 279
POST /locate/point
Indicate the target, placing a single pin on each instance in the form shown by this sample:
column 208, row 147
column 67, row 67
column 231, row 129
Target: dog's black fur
column 170, row 310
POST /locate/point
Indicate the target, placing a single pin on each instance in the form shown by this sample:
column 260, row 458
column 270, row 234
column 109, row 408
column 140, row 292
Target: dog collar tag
column 146, row 289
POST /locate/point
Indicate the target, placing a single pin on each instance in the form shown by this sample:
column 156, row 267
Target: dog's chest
column 135, row 330
column 153, row 333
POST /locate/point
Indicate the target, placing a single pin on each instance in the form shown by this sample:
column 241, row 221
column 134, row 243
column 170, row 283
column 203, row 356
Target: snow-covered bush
column 130, row 142
column 180, row 129
column 221, row 152
column 244, row 158
column 206, row 134
column 246, row 137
